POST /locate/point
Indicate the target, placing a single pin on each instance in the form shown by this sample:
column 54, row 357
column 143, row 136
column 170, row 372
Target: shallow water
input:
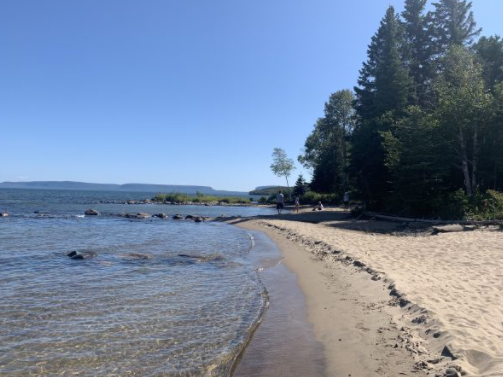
column 161, row 297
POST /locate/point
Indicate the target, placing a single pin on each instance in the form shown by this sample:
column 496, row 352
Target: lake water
column 161, row 297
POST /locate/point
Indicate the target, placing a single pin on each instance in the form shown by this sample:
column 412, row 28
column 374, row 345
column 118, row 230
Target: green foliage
column 427, row 138
column 419, row 50
column 485, row 206
column 454, row 23
column 282, row 166
column 326, row 148
column 312, row 197
column 489, row 51
column 464, row 111
column 300, row 186
column 176, row 197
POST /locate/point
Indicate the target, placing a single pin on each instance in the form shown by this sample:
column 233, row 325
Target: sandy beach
column 385, row 299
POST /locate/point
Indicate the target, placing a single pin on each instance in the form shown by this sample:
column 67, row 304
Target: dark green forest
column 421, row 133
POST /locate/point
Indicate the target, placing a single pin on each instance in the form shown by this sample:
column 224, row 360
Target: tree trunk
column 464, row 164
column 475, row 159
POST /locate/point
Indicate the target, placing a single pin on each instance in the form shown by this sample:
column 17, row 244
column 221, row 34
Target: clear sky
column 175, row 91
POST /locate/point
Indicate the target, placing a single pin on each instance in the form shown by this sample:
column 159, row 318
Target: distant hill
column 136, row 187
column 268, row 190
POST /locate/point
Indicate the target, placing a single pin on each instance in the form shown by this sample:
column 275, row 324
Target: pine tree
column 385, row 91
column 419, row 49
column 384, row 83
column 490, row 52
column 454, row 24
column 300, row 186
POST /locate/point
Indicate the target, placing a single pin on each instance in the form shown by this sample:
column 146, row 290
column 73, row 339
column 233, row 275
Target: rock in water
column 91, row 212
column 81, row 254
column 4, row 214
column 142, row 215
column 160, row 215
column 178, row 217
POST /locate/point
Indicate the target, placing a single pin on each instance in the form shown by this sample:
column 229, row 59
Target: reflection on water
column 159, row 298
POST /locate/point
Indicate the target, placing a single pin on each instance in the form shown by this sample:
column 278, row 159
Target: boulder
column 130, row 202
column 91, row 212
column 190, row 217
column 198, row 219
column 178, row 217
column 140, row 215
column 78, row 255
column 160, row 215
column 4, row 214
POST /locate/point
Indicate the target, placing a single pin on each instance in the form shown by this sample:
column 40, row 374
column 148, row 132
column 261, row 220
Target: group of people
column 280, row 200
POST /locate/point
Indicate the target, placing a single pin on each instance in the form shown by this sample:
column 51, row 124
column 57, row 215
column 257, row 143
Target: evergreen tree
column 300, row 186
column 490, row 52
column 416, row 159
column 385, row 90
column 419, row 49
column 454, row 24
column 384, row 83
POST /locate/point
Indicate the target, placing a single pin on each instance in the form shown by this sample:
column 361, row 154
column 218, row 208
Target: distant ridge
column 137, row 187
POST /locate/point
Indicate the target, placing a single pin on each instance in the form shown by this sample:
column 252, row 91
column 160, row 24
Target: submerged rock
column 91, row 212
column 81, row 255
column 203, row 258
column 138, row 256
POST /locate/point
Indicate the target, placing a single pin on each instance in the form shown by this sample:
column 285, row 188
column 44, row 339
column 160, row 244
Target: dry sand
column 445, row 312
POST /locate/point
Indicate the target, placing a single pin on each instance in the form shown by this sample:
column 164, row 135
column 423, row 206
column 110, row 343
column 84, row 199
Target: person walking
column 297, row 204
column 279, row 202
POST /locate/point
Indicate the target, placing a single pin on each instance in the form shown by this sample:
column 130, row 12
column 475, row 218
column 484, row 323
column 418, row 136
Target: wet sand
column 346, row 310
column 284, row 344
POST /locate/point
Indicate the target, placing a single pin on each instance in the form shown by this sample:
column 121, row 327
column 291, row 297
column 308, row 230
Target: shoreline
column 284, row 343
column 441, row 292
column 346, row 310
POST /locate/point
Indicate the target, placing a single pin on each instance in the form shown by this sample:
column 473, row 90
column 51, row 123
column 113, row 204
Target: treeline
column 177, row 197
column 422, row 132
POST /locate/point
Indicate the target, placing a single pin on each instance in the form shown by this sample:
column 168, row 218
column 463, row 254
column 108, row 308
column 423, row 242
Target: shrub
column 312, row 197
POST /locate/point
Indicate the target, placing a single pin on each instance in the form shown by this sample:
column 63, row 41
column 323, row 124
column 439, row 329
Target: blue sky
column 175, row 92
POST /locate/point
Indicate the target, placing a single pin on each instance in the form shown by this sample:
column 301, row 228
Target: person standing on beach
column 297, row 203
column 279, row 202
column 346, row 201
